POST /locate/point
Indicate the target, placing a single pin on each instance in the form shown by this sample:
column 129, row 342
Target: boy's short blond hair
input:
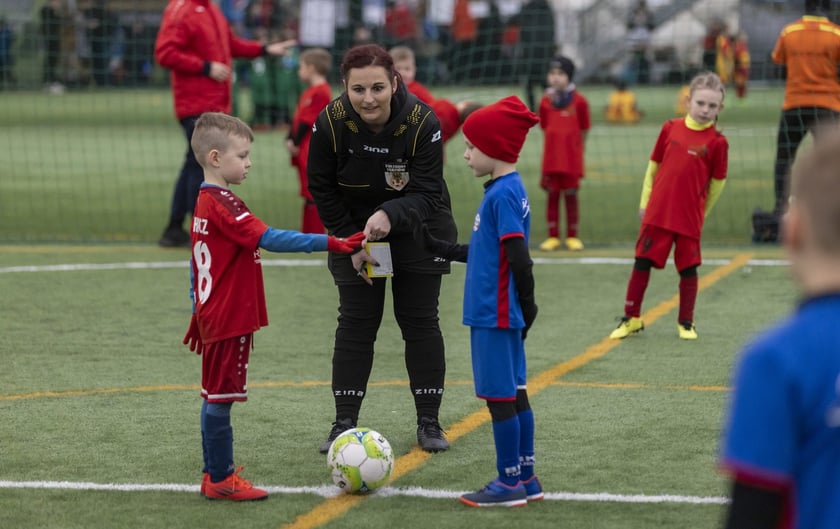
column 318, row 58
column 213, row 131
column 401, row 53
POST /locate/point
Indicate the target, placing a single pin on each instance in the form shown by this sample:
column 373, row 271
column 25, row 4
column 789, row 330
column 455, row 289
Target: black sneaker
column 430, row 435
column 338, row 427
column 175, row 237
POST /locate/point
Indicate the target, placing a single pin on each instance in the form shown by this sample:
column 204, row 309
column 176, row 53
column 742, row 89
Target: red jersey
column 192, row 33
column 447, row 113
column 421, row 92
column 688, row 160
column 312, row 101
column 563, row 129
column 226, row 268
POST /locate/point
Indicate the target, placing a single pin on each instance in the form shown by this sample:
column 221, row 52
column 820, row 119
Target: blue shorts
column 498, row 362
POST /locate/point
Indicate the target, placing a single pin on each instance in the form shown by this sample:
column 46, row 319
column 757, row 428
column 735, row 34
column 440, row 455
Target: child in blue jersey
column 782, row 440
column 499, row 296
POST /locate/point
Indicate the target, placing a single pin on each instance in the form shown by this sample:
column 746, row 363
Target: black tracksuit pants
column 361, row 306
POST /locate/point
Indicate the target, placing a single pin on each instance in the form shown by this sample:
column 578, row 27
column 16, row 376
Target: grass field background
column 99, row 166
column 98, row 390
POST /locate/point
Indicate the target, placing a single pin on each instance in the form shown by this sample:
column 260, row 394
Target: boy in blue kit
column 499, row 302
column 782, row 441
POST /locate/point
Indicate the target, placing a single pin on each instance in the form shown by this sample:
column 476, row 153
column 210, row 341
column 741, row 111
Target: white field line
column 320, row 262
column 328, row 491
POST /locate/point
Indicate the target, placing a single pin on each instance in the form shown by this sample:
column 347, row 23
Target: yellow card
column 381, row 251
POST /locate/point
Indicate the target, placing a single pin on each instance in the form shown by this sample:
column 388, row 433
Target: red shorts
column 559, row 181
column 655, row 244
column 224, row 369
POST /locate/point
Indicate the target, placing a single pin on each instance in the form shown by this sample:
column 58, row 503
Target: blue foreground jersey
column 490, row 298
column 784, row 423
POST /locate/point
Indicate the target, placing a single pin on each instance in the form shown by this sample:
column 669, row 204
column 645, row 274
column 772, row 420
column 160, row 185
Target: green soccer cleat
column 629, row 325
column 687, row 330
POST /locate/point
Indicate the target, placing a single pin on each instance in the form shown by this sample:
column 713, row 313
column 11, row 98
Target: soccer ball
column 361, row 460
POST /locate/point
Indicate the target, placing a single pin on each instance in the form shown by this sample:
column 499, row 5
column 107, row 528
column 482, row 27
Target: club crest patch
column 396, row 175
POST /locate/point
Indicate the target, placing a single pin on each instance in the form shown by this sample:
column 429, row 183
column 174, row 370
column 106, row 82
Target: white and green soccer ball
column 361, row 460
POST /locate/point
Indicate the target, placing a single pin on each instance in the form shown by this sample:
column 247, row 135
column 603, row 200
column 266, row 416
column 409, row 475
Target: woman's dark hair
column 368, row 55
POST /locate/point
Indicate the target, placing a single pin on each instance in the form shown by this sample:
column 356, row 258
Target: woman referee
column 376, row 153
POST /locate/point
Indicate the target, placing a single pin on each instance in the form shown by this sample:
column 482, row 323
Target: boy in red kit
column 565, row 120
column 227, row 291
column 315, row 64
column 406, row 66
column 684, row 178
column 450, row 114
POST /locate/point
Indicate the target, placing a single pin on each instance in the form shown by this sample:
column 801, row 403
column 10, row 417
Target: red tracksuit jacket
column 192, row 33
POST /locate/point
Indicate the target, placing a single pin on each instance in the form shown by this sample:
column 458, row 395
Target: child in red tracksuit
column 315, row 64
column 565, row 120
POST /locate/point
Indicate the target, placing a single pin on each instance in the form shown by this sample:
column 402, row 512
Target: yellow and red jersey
column 742, row 56
column 725, row 61
column 688, row 160
column 810, row 50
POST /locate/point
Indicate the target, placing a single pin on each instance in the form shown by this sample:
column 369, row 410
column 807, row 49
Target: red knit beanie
column 499, row 130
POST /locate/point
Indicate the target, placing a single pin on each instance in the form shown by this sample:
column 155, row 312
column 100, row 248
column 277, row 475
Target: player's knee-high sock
column 688, row 293
column 506, row 436
column 311, row 220
column 218, row 435
column 636, row 292
column 572, row 212
column 553, row 213
column 526, row 434
column 206, row 466
column 425, row 362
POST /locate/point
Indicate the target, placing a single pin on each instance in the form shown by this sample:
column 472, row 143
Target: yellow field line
column 196, row 387
column 323, row 383
column 332, row 508
column 635, row 385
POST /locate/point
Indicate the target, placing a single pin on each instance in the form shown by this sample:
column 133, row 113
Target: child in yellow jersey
column 621, row 106
column 681, row 105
